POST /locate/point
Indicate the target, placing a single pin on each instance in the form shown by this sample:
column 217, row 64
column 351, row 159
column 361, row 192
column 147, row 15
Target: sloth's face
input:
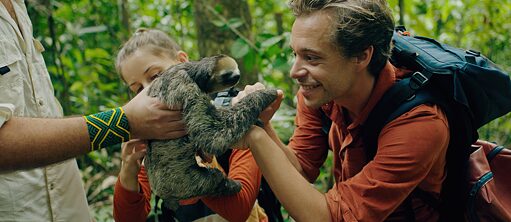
column 212, row 74
column 225, row 74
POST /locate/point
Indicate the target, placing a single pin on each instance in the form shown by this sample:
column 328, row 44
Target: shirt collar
column 385, row 80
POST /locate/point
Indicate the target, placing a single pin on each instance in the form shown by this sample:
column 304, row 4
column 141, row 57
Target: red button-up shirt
column 411, row 153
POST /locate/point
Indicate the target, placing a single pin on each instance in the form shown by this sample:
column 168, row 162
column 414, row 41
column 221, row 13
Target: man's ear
column 182, row 56
column 365, row 57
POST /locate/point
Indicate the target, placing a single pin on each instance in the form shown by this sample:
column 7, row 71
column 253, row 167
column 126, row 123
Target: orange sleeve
column 243, row 168
column 410, row 149
column 132, row 206
column 308, row 141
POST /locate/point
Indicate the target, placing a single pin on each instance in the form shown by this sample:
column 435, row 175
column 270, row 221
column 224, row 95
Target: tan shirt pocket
column 11, row 82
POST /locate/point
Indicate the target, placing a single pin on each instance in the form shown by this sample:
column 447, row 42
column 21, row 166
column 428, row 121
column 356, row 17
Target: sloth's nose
column 231, row 76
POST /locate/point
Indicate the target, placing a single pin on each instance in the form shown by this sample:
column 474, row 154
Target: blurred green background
column 82, row 37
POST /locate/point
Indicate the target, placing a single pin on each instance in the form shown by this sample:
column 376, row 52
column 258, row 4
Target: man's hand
column 150, row 119
column 132, row 154
column 252, row 135
column 268, row 113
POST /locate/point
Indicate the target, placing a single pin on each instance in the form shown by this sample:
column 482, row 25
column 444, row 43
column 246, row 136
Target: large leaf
column 239, row 49
column 271, row 41
column 235, row 22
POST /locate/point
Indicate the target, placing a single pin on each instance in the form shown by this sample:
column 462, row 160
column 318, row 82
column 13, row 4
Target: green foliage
column 82, row 37
column 99, row 172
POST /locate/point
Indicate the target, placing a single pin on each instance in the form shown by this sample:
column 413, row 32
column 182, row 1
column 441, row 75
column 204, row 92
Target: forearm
column 129, row 182
column 301, row 200
column 287, row 151
column 35, row 142
column 130, row 205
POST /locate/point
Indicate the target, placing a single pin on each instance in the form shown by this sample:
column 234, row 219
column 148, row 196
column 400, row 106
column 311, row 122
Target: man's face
column 320, row 70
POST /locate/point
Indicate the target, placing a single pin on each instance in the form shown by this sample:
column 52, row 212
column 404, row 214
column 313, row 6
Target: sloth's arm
column 216, row 130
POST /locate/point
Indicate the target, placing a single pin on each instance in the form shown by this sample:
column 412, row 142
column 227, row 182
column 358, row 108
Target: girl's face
column 141, row 68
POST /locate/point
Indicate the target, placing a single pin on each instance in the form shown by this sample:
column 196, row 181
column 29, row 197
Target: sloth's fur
column 171, row 166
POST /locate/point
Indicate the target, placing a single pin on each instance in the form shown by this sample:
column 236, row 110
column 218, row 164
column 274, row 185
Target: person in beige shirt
column 54, row 192
column 34, row 134
column 30, row 142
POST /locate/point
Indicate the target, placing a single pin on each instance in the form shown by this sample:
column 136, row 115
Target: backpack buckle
column 417, row 80
column 473, row 52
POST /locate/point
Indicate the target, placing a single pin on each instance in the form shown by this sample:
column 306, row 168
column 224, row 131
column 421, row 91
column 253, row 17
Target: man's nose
column 297, row 71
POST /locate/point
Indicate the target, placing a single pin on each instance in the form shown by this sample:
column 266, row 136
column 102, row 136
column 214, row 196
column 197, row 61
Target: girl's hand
column 132, row 154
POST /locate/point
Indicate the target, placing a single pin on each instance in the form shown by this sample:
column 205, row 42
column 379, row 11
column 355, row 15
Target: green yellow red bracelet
column 107, row 128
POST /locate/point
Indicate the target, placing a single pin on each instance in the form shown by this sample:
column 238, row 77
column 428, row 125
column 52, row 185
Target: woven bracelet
column 107, row 128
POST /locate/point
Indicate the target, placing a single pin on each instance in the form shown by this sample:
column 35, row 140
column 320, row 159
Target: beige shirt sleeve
column 6, row 111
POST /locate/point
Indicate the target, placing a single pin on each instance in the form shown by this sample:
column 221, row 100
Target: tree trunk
column 214, row 40
column 124, row 17
column 402, row 12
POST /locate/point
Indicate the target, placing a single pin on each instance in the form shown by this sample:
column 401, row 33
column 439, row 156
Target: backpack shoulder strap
column 400, row 98
column 460, row 130
column 223, row 160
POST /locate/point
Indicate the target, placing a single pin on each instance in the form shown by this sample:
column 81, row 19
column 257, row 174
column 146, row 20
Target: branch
column 233, row 29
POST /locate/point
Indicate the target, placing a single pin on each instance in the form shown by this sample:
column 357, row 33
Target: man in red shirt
column 342, row 50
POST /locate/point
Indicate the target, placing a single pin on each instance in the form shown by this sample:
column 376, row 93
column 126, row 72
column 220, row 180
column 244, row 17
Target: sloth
column 171, row 166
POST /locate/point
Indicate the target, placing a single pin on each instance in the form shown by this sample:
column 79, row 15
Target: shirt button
column 40, row 102
column 51, row 186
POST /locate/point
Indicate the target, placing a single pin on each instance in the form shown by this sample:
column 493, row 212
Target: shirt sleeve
column 308, row 142
column 410, row 148
column 243, row 168
column 6, row 111
column 130, row 205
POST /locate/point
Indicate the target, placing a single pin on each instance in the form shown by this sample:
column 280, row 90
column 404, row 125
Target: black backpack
column 469, row 88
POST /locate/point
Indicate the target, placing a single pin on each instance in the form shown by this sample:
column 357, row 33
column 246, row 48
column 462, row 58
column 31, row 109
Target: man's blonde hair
column 155, row 40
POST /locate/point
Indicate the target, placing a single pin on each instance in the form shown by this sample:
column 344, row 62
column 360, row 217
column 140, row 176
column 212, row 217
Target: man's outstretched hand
column 150, row 119
column 268, row 113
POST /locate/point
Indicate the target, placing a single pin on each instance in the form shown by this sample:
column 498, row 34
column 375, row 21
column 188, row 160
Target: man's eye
column 310, row 57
